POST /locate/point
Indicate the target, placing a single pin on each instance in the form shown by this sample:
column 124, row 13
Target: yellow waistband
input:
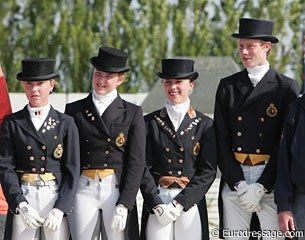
column 91, row 173
column 30, row 177
column 254, row 158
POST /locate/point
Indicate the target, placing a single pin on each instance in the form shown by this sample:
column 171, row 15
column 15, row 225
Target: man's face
column 253, row 52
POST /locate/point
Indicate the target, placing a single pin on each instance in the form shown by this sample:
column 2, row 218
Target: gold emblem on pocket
column 58, row 151
column 271, row 110
column 120, row 140
column 196, row 149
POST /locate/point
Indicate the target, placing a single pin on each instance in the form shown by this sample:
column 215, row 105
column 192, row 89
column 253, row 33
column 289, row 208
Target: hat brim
column 272, row 39
column 94, row 62
column 191, row 75
column 20, row 76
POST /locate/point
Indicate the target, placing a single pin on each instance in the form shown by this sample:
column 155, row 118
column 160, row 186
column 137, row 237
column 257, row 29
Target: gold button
column 260, row 134
column 32, row 158
column 88, row 153
column 262, row 119
column 180, row 160
column 42, row 169
column 105, row 164
column 167, row 149
column 33, row 169
column 179, row 172
column 43, row 147
column 55, row 137
column 238, row 134
column 170, row 172
column 87, row 140
column 107, row 152
column 192, row 137
column 108, row 139
column 169, row 160
column 239, row 149
column 239, row 118
column 28, row 147
column 181, row 149
column 258, row 150
column 43, row 158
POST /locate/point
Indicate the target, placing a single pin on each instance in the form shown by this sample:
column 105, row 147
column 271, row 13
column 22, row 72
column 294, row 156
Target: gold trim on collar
column 191, row 112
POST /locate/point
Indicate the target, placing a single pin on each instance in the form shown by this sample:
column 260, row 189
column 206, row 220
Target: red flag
column 5, row 104
column 5, row 109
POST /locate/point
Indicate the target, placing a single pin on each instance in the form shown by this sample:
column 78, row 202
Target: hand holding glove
column 250, row 199
column 164, row 213
column 119, row 218
column 30, row 216
column 53, row 220
column 176, row 208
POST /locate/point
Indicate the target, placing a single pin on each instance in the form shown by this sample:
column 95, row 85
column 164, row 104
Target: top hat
column 256, row 29
column 178, row 69
column 37, row 69
column 110, row 60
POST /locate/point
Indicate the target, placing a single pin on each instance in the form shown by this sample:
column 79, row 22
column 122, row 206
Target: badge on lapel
column 120, row 140
column 58, row 151
column 196, row 149
column 271, row 110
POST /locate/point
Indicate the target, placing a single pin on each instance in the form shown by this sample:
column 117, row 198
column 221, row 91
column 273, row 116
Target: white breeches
column 237, row 218
column 92, row 196
column 42, row 199
column 187, row 226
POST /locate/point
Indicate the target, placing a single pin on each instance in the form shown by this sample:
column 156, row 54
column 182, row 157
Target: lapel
column 243, row 83
column 267, row 83
column 49, row 125
column 115, row 109
column 186, row 125
column 92, row 116
column 24, row 121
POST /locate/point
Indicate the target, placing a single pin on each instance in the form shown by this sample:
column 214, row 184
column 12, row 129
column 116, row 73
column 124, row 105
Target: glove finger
column 114, row 223
column 32, row 225
column 39, row 219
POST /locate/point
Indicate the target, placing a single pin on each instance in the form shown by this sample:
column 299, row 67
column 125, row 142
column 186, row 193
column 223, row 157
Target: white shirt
column 39, row 115
column 177, row 112
column 102, row 102
column 257, row 73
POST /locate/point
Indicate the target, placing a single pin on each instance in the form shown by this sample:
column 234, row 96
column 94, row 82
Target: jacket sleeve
column 229, row 167
column 135, row 161
column 148, row 185
column 8, row 175
column 283, row 187
column 268, row 176
column 71, row 168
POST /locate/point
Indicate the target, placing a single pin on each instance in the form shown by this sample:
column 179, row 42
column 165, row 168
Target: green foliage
column 72, row 31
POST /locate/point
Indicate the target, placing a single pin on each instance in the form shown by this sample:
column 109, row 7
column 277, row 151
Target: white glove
column 250, row 200
column 29, row 216
column 119, row 218
column 53, row 220
column 164, row 213
column 176, row 208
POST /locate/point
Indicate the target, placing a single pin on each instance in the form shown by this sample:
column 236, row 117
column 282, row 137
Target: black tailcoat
column 250, row 120
column 190, row 152
column 291, row 159
column 26, row 150
column 114, row 140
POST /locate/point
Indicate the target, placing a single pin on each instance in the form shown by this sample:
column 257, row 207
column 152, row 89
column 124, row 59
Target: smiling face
column 253, row 52
column 177, row 90
column 37, row 92
column 105, row 82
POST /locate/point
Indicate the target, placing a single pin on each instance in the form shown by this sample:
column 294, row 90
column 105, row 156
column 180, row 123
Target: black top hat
column 178, row 69
column 37, row 69
column 110, row 60
column 256, row 29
